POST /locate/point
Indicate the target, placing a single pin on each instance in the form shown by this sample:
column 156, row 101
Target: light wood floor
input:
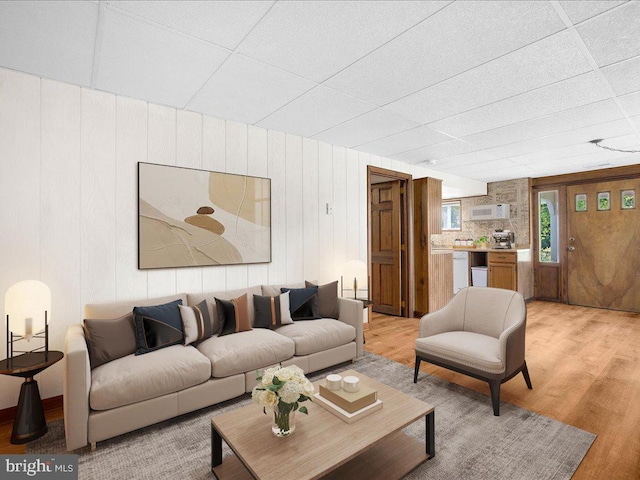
column 585, row 369
column 584, row 364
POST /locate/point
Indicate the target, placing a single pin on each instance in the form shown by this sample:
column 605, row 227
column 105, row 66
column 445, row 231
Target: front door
column 603, row 242
column 386, row 239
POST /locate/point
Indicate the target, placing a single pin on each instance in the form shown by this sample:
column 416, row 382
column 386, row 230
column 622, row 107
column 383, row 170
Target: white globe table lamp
column 27, row 305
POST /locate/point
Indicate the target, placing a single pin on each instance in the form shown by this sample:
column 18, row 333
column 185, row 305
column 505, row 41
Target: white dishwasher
column 460, row 271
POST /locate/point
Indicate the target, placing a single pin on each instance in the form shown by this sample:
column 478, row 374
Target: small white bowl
column 351, row 384
column 334, row 382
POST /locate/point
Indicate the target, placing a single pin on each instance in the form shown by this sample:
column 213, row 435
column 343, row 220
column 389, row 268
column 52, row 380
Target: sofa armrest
column 351, row 313
column 76, row 381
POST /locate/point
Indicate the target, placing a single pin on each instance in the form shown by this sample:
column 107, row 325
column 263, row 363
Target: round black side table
column 29, row 423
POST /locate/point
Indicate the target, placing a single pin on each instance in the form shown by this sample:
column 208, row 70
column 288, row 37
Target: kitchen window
column 451, row 215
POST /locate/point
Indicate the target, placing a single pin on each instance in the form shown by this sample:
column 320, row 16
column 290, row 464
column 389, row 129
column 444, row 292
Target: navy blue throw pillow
column 303, row 303
column 158, row 326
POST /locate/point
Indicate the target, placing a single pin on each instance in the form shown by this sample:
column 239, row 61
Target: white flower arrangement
column 284, row 387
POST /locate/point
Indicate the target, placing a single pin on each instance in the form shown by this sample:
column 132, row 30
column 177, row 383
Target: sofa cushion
column 132, row 379
column 118, row 309
column 246, row 351
column 327, row 299
column 474, row 350
column 110, row 339
column 319, row 335
column 158, row 326
column 273, row 290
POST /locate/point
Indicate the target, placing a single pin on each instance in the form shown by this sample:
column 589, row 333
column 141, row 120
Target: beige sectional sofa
column 136, row 391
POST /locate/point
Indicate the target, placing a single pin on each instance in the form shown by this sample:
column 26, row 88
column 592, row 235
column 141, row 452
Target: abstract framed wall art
column 194, row 218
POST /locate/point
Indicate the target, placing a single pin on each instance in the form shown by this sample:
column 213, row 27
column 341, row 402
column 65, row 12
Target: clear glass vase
column 284, row 420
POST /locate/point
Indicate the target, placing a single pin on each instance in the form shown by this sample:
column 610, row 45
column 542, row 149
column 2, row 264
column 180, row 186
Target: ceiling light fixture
column 597, row 141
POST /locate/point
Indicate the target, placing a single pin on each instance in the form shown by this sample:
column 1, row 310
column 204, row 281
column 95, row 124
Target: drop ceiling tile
column 315, row 111
column 459, row 37
column 466, row 159
column 567, row 165
column 317, row 39
column 597, row 160
column 614, row 35
column 487, row 170
column 631, row 103
column 247, row 91
column 500, row 174
column 403, row 141
column 366, row 128
column 624, row 77
column 435, row 152
column 554, row 154
column 571, row 93
column 147, row 61
column 544, row 62
column 581, row 11
column 583, row 116
column 49, row 39
column 581, row 135
column 222, row 23
column 625, row 142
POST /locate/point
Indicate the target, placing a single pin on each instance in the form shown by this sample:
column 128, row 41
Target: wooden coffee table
column 323, row 446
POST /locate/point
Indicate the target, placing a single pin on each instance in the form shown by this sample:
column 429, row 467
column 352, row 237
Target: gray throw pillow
column 327, row 299
column 109, row 339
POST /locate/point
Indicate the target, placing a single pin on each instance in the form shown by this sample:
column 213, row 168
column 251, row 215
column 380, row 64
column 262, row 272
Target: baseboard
column 8, row 414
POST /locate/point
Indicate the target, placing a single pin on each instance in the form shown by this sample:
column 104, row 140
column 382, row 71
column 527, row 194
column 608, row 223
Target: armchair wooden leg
column 525, row 374
column 494, row 386
column 417, row 369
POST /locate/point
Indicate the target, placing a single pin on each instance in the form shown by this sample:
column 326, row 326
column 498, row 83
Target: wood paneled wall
column 433, row 272
column 68, row 190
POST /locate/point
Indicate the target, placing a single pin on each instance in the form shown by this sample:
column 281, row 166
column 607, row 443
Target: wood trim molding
column 407, row 235
column 393, row 175
column 8, row 414
column 617, row 173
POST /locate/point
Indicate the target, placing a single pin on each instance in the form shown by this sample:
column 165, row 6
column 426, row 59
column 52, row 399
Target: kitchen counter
column 439, row 250
column 519, row 261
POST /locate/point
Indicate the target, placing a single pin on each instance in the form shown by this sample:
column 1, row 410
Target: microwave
column 500, row 211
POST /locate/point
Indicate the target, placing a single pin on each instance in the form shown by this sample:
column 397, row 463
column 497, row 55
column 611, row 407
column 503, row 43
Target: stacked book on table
column 349, row 406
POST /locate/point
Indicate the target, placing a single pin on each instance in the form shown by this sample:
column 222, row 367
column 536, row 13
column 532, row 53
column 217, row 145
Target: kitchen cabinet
column 503, row 270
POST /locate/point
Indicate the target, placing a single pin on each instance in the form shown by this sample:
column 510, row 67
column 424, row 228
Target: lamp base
column 30, row 422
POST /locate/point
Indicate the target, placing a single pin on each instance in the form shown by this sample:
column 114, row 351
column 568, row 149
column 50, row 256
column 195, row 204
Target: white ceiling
column 488, row 90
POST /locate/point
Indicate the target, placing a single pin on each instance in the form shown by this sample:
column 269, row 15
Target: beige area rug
column 470, row 442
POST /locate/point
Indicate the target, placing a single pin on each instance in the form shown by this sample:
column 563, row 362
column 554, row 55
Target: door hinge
column 403, row 304
column 403, row 247
column 402, row 190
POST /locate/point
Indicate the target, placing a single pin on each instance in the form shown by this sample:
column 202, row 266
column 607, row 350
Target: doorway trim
column 406, row 257
column 560, row 183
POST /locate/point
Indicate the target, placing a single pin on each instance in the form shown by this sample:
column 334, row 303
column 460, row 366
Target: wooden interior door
column 603, row 257
column 386, row 240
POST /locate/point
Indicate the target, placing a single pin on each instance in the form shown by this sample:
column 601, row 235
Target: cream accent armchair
column 479, row 333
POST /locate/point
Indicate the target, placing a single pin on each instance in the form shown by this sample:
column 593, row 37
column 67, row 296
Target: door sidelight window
column 548, row 239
